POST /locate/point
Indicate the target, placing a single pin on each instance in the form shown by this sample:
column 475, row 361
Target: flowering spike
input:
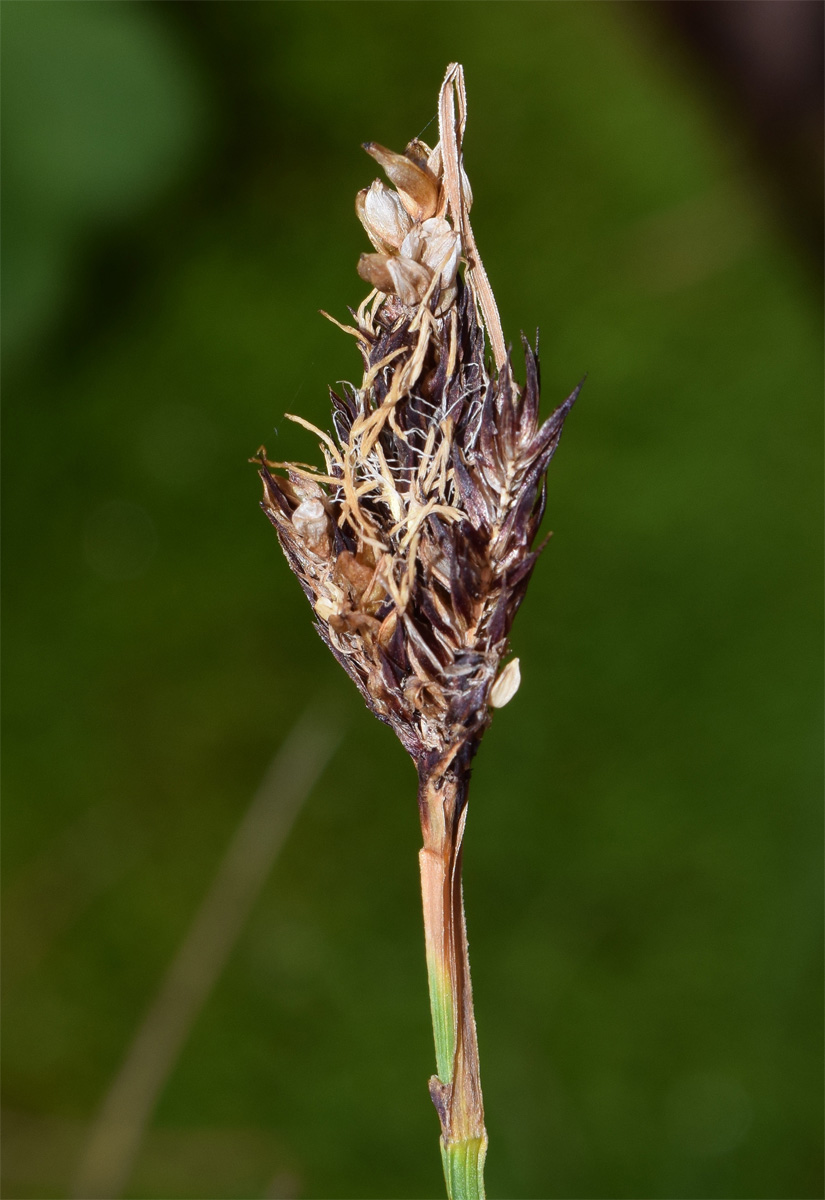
column 414, row 543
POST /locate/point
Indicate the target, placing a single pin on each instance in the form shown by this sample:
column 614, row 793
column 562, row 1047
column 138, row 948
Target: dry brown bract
column 415, row 545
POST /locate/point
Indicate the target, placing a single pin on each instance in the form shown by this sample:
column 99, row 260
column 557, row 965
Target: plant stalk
column 456, row 1088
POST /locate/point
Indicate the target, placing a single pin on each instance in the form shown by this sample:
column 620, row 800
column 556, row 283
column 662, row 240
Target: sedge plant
column 415, row 543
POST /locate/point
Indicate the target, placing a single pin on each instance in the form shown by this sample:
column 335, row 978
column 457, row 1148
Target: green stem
column 456, row 1089
column 464, row 1168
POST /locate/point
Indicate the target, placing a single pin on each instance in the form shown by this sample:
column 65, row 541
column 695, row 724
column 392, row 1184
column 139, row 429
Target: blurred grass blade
column 117, row 1132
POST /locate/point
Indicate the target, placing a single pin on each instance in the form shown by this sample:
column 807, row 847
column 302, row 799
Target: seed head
column 415, row 543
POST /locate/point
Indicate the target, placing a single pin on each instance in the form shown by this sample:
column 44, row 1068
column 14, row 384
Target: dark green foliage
column 644, row 876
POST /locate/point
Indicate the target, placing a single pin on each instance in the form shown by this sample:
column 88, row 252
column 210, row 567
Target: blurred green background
column 643, row 859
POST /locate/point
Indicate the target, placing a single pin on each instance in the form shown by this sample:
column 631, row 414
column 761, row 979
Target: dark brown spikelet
column 416, row 542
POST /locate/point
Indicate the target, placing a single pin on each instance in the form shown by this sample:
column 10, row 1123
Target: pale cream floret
column 428, row 248
column 435, row 244
column 507, row 684
column 311, row 522
column 410, row 279
column 383, row 216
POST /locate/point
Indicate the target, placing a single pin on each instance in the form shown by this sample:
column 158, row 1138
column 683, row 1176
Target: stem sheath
column 456, row 1088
